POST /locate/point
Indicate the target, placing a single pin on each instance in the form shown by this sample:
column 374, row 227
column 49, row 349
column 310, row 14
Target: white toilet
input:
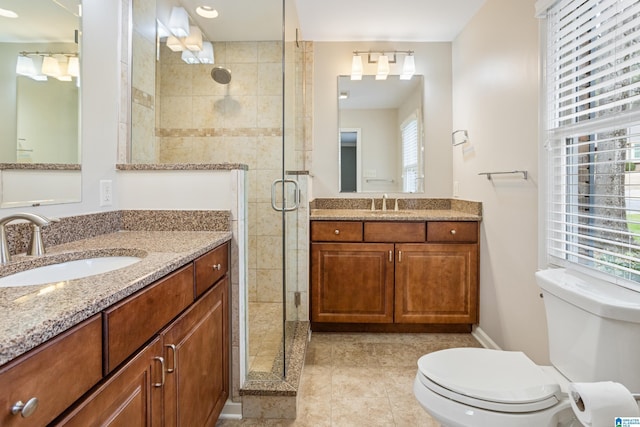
column 594, row 335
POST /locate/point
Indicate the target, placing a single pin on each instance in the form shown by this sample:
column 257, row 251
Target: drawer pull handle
column 337, row 232
column 453, row 232
column 399, row 256
column 216, row 267
column 173, row 351
column 25, row 409
column 390, row 256
column 161, row 360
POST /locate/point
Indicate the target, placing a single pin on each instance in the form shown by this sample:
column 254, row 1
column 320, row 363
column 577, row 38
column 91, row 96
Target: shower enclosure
column 247, row 107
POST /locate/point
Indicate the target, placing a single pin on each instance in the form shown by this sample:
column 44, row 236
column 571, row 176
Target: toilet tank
column 594, row 328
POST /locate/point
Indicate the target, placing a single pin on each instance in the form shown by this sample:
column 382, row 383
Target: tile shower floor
column 353, row 379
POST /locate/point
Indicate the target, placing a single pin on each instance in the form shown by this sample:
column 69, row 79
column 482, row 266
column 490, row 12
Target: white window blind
column 409, row 133
column 593, row 123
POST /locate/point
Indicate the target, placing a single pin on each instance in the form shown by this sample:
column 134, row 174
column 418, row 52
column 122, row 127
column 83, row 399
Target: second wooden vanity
column 398, row 275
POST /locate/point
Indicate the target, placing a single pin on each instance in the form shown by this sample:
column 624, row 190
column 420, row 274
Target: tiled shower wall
column 202, row 121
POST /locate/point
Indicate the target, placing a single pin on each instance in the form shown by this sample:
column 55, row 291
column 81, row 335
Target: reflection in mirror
column 39, row 103
column 380, row 134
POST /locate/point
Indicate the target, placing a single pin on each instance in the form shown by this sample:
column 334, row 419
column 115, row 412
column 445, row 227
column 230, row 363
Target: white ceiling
column 40, row 21
column 337, row 20
column 320, row 20
column 380, row 20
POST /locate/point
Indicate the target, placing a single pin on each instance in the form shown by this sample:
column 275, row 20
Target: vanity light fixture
column 189, row 57
column 356, row 67
column 193, row 41
column 73, row 66
column 205, row 56
column 50, row 66
column 25, row 66
column 179, row 22
column 37, row 64
column 175, row 44
column 6, row 13
column 383, row 67
column 408, row 68
column 207, row 12
column 383, row 59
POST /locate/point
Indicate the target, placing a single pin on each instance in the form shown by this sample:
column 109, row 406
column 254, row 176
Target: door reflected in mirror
column 381, row 148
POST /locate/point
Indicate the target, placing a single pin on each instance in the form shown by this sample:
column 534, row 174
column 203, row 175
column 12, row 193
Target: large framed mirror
column 40, row 102
column 380, row 137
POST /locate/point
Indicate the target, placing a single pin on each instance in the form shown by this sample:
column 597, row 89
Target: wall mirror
column 39, row 100
column 381, row 147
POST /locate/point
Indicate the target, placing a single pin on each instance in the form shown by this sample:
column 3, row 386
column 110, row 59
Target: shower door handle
column 296, row 195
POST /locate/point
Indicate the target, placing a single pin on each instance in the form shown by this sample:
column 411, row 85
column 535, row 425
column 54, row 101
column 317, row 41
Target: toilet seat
column 502, row 381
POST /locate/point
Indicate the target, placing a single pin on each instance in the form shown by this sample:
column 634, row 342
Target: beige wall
column 495, row 97
column 433, row 60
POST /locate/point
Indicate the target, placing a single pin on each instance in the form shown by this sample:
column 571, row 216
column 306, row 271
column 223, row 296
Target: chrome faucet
column 384, row 202
column 36, row 245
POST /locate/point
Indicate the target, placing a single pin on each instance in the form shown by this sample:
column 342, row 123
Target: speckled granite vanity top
column 30, row 315
column 408, row 210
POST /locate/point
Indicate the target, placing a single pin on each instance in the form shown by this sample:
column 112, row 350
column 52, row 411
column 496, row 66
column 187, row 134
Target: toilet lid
column 499, row 380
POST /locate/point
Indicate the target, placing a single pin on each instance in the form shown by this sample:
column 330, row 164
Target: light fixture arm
column 372, row 55
column 68, row 54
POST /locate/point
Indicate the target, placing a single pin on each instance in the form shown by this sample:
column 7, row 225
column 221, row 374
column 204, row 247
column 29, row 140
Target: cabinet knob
column 25, row 409
column 453, row 231
column 337, row 231
column 216, row 266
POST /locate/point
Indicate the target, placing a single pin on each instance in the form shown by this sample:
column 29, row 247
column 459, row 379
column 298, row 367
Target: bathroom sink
column 67, row 270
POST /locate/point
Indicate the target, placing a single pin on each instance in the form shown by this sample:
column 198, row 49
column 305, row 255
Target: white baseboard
column 231, row 411
column 484, row 339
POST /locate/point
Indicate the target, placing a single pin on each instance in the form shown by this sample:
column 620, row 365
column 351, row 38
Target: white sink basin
column 67, row 270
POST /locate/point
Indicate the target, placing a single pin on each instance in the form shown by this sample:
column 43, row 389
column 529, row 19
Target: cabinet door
column 436, row 283
column 196, row 352
column 54, row 374
column 132, row 397
column 352, row 282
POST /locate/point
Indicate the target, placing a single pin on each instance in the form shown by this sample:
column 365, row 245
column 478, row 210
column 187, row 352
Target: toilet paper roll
column 597, row 404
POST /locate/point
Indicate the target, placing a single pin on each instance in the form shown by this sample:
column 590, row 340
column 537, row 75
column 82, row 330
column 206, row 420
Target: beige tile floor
column 265, row 335
column 353, row 380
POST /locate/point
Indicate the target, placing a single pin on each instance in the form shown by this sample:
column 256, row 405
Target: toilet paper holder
column 580, row 404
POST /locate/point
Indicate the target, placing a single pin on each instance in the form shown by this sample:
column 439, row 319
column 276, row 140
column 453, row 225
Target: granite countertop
column 391, row 215
column 31, row 315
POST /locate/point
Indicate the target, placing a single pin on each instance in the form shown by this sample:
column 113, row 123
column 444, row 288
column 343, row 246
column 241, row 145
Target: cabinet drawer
column 56, row 373
column 133, row 321
column 336, row 231
column 392, row 232
column 210, row 267
column 452, row 231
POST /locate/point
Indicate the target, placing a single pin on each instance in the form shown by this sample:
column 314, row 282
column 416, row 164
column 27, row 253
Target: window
column 410, row 158
column 593, row 136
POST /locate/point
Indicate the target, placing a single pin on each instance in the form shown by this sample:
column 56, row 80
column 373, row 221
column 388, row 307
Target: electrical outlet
column 106, row 192
column 456, row 189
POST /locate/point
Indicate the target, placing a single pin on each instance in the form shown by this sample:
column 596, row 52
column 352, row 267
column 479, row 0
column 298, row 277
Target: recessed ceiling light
column 8, row 13
column 207, row 12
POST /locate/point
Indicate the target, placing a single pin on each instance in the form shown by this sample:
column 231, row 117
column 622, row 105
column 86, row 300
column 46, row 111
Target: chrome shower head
column 221, row 75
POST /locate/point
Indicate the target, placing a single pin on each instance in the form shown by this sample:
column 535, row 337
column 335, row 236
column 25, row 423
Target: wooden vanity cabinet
column 395, row 273
column 132, row 397
column 196, row 357
column 181, row 378
column 134, row 320
column 436, row 283
column 352, row 282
